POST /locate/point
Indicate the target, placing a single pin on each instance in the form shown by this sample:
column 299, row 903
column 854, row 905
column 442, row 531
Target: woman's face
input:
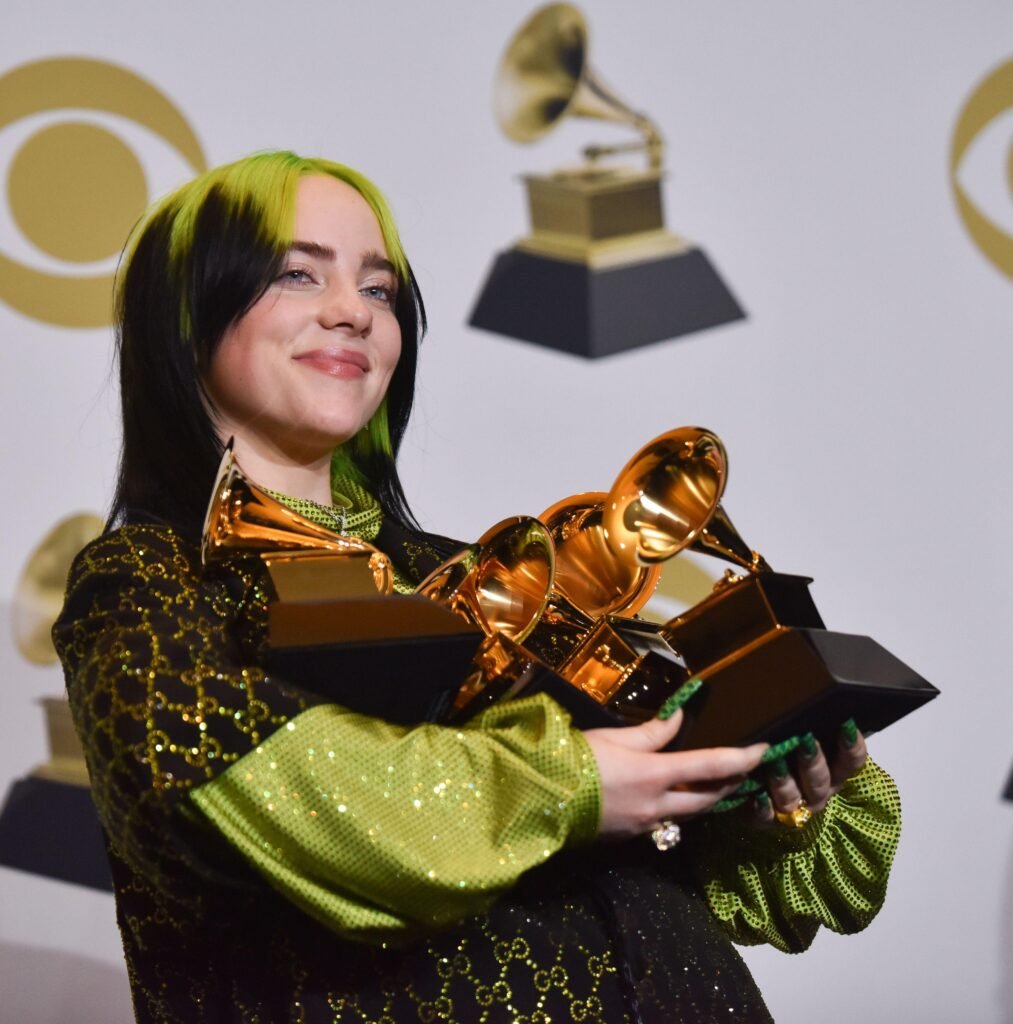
column 308, row 365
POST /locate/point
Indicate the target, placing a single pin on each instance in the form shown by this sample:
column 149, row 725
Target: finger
column 710, row 785
column 712, row 763
column 646, row 737
column 782, row 786
column 685, row 803
column 851, row 756
column 762, row 810
column 813, row 774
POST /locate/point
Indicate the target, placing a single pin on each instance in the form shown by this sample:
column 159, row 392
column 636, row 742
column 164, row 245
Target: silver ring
column 666, row 835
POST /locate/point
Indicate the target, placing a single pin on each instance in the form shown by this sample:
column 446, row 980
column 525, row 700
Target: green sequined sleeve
column 779, row 886
column 381, row 831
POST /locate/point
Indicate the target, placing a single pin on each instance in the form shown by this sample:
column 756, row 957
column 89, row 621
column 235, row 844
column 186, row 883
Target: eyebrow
column 371, row 260
column 374, row 260
column 323, row 252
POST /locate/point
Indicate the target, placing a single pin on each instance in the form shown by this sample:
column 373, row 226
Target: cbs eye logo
column 86, row 145
column 981, row 165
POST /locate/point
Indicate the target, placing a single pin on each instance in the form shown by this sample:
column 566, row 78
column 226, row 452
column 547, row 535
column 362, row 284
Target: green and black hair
column 195, row 264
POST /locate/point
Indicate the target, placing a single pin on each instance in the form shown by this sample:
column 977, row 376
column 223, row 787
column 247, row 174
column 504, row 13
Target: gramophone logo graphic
column 599, row 273
column 48, row 823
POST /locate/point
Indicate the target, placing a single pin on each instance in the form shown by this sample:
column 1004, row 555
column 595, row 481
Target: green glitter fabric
column 780, row 885
column 363, row 516
column 379, row 830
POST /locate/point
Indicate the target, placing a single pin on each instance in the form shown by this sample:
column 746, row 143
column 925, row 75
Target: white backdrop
column 864, row 401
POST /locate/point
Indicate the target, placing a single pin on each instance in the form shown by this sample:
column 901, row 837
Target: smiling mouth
column 336, row 362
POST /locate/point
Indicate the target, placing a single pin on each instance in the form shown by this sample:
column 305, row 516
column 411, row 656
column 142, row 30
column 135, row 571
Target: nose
column 343, row 307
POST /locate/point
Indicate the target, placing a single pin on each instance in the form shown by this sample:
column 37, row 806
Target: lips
column 344, row 363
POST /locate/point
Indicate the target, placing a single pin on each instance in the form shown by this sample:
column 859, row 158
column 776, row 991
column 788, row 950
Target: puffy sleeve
column 382, row 831
column 193, row 748
column 778, row 886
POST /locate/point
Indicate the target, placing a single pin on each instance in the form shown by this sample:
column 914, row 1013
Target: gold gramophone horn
column 544, row 76
column 448, row 583
column 589, row 575
column 501, row 584
column 242, row 517
column 667, row 498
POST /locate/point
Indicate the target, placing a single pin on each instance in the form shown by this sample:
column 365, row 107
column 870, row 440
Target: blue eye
column 381, row 293
column 295, row 275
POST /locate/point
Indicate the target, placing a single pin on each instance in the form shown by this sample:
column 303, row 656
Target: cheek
column 249, row 344
column 392, row 350
column 232, row 378
column 225, row 373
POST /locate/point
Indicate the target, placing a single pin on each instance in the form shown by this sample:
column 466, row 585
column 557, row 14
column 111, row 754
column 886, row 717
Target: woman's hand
column 815, row 780
column 642, row 788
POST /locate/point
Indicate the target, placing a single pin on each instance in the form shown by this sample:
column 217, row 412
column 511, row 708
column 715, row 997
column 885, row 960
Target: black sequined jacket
column 164, row 665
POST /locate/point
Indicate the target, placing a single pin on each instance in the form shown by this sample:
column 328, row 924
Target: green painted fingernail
column 779, row 766
column 679, row 698
column 762, row 801
column 728, row 804
column 780, row 750
column 808, row 745
column 849, row 732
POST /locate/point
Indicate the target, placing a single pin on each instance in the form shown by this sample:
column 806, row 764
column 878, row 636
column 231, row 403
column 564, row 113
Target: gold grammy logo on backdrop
column 990, row 101
column 47, row 820
column 75, row 187
column 38, row 598
column 599, row 273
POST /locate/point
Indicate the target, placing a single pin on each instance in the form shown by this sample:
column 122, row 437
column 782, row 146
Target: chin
column 331, row 435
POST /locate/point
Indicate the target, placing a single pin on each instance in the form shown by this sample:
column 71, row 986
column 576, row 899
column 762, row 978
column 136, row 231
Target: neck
column 302, row 475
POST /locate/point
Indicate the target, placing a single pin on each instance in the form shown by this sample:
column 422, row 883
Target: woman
column 278, row 858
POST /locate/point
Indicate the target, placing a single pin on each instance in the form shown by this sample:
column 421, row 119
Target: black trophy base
column 51, row 829
column 404, row 682
column 796, row 681
column 593, row 313
column 399, row 658
column 799, row 680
